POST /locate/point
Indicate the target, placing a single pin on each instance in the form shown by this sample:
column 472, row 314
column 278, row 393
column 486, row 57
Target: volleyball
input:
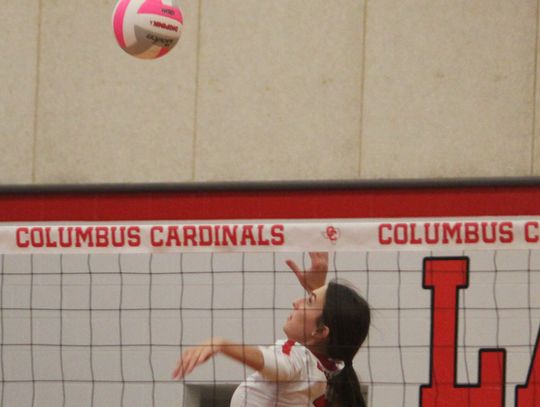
column 147, row 29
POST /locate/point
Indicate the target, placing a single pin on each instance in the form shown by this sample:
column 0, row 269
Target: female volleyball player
column 313, row 367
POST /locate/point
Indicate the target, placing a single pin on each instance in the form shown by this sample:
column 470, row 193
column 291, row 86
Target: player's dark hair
column 347, row 315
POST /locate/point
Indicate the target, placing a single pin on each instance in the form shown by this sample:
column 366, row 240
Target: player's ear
column 325, row 331
column 322, row 332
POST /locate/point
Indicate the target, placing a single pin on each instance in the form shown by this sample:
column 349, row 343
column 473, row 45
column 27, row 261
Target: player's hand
column 315, row 276
column 196, row 356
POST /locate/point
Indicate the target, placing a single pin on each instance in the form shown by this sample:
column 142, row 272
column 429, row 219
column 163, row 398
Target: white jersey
column 292, row 376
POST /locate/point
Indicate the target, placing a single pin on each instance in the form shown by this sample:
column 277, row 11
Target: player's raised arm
column 315, row 276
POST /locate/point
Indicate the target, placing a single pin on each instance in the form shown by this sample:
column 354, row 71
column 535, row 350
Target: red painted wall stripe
column 275, row 204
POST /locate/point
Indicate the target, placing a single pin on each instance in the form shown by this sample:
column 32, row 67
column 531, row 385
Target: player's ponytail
column 347, row 315
column 344, row 389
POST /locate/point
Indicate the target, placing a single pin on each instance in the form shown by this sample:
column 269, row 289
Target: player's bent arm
column 193, row 357
column 270, row 362
column 249, row 355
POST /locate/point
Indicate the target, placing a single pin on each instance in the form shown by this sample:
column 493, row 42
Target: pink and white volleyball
column 147, row 29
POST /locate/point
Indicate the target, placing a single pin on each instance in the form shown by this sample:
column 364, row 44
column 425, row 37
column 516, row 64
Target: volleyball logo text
column 169, row 27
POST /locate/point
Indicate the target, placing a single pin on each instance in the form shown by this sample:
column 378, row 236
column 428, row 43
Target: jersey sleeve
column 283, row 362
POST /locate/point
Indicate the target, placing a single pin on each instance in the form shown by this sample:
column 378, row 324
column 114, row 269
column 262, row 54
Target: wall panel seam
column 37, row 85
column 196, row 96
column 362, row 87
column 535, row 90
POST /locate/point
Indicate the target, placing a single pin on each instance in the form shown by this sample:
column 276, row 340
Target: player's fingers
column 319, row 259
column 204, row 355
column 297, row 271
column 317, row 255
column 189, row 364
column 186, row 362
column 293, row 266
column 178, row 372
column 198, row 356
column 194, row 363
column 184, row 371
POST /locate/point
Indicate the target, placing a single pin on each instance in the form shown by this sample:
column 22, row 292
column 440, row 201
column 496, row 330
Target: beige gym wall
column 272, row 90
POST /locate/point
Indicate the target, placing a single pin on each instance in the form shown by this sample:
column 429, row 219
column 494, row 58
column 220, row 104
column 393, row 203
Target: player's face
column 302, row 324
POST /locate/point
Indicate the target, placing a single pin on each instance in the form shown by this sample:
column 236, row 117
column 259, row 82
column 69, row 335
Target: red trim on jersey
column 287, row 347
column 321, row 402
column 326, row 363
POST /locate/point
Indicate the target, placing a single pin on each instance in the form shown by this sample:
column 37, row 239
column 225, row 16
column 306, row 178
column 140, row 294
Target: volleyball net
column 97, row 313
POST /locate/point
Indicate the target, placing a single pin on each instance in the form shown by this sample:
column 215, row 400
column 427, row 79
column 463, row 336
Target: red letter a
column 529, row 394
column 445, row 276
